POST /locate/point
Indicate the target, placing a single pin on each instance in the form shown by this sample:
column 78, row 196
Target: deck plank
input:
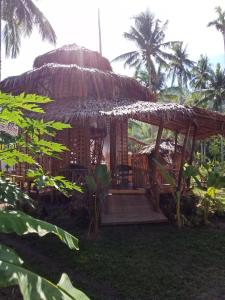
column 129, row 209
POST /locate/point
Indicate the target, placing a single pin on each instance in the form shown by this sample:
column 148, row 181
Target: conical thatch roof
column 71, row 83
column 74, row 55
column 82, row 86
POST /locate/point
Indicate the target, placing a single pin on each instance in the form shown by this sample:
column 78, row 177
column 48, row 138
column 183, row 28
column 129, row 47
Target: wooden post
column 193, row 146
column 113, row 150
column 192, row 154
column 183, row 158
column 175, row 146
column 155, row 188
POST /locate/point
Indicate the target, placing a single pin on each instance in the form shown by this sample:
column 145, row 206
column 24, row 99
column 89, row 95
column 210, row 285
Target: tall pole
column 99, row 32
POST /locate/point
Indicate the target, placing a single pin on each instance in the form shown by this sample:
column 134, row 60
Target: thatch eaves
column 76, row 84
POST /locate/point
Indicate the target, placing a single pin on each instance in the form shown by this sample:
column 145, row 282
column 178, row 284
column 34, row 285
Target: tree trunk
column 181, row 98
column 149, row 73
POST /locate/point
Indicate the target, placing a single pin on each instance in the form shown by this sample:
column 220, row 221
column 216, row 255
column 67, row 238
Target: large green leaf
column 33, row 286
column 9, row 255
column 20, row 223
column 11, row 194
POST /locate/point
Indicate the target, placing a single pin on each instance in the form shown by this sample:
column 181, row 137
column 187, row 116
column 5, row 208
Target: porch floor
column 129, row 207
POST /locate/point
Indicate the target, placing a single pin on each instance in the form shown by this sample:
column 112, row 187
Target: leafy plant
column 97, row 185
column 175, row 192
column 208, row 177
column 31, row 143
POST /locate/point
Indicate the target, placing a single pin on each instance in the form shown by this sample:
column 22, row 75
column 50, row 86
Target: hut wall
column 77, row 140
column 140, row 167
column 118, row 143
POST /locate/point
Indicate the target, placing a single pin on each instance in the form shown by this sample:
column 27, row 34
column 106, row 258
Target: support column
column 113, row 149
column 179, row 183
column 192, row 154
column 155, row 188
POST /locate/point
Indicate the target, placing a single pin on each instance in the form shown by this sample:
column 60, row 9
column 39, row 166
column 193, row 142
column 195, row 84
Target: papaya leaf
column 21, row 224
column 35, row 287
column 11, row 194
column 9, row 255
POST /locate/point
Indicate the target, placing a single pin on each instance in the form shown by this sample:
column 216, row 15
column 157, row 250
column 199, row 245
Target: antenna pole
column 99, row 32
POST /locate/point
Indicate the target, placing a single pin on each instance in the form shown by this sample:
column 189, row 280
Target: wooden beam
column 183, row 157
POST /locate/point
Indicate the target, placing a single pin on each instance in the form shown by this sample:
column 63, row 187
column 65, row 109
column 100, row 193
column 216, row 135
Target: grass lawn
column 135, row 262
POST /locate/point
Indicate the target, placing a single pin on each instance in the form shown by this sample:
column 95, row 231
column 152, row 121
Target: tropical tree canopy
column 219, row 23
column 180, row 65
column 214, row 95
column 148, row 34
column 20, row 17
column 201, row 74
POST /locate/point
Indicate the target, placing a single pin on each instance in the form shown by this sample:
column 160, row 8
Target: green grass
column 138, row 262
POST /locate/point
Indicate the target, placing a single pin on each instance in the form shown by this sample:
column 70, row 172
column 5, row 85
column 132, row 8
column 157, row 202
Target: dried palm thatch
column 86, row 92
column 166, row 146
column 167, row 150
column 73, row 54
column 71, row 83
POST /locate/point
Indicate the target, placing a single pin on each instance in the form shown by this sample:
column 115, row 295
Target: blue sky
column 75, row 21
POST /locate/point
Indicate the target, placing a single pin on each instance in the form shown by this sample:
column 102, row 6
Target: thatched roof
column 71, row 83
column 166, row 146
column 166, row 150
column 74, row 55
column 81, row 92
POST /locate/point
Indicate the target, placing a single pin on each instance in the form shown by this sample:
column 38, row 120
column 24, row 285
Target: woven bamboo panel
column 122, row 142
column 140, row 167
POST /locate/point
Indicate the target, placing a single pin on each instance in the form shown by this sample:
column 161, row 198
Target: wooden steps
column 129, row 208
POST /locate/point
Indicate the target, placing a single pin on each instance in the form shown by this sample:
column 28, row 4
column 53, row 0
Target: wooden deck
column 129, row 207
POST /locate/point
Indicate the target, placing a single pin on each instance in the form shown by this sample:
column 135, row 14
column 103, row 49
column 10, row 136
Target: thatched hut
column 169, row 156
column 98, row 103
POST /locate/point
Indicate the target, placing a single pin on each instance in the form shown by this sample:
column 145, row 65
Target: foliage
column 97, row 185
column 180, row 68
column 219, row 23
column 214, row 94
column 176, row 193
column 148, row 34
column 28, row 146
column 20, row 18
column 208, row 177
column 201, row 74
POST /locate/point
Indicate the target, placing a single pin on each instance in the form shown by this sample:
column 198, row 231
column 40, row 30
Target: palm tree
column 201, row 74
column 20, row 17
column 219, row 23
column 179, row 68
column 158, row 82
column 148, row 34
column 214, row 95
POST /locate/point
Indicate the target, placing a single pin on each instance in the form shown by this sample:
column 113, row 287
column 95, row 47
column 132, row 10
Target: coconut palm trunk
column 149, row 73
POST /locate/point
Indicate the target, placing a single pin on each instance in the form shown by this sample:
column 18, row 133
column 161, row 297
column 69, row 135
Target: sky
column 75, row 21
